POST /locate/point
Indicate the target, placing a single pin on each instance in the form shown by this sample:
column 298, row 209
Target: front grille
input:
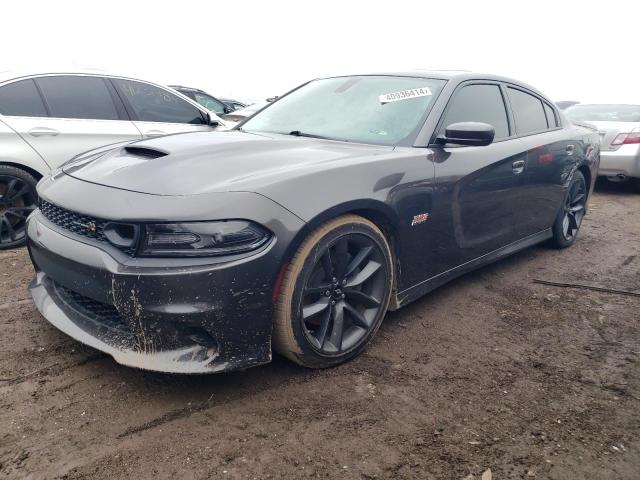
column 103, row 313
column 83, row 225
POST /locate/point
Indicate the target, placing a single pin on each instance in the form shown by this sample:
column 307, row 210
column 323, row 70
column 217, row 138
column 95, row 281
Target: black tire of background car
column 363, row 243
column 18, row 198
column 636, row 184
column 569, row 219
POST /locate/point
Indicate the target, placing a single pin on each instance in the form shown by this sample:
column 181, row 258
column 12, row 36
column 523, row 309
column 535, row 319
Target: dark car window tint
column 78, row 97
column 552, row 121
column 528, row 112
column 479, row 103
column 153, row 104
column 21, row 99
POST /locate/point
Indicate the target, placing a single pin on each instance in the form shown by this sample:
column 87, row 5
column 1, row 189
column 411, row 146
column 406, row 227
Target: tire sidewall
column 309, row 355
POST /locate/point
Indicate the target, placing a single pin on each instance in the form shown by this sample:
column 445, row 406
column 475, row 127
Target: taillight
column 632, row 137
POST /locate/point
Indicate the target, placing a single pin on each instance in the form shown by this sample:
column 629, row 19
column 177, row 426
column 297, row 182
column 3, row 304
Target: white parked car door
column 61, row 116
column 159, row 111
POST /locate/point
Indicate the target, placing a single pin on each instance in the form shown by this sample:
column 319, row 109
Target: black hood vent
column 145, row 152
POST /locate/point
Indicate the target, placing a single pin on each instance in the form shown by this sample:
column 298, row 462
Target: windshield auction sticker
column 405, row 95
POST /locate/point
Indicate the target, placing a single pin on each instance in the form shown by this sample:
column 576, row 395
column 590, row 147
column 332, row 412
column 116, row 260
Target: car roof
column 17, row 74
column 456, row 75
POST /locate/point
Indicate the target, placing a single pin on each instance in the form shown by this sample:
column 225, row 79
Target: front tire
column 335, row 293
column 18, row 198
column 569, row 219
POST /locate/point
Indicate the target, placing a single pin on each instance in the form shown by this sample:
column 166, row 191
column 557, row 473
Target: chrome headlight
column 197, row 239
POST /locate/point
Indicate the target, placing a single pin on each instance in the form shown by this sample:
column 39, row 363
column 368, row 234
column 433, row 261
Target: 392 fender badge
column 420, row 218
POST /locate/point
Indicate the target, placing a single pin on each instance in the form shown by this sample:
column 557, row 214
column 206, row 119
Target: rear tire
column 636, row 184
column 335, row 293
column 569, row 219
column 18, row 198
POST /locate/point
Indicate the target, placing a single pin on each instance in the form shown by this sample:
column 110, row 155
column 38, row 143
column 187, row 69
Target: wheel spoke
column 342, row 257
column 327, row 266
column 8, row 227
column 577, row 198
column 15, row 212
column 317, row 289
column 18, row 193
column 366, row 273
column 315, row 308
column 337, row 328
column 576, row 208
column 324, row 327
column 362, row 255
column 573, row 223
column 8, row 194
column 356, row 316
column 364, row 299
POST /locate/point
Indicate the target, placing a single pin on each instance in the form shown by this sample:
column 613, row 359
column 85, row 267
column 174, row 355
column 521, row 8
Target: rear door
column 157, row 111
column 551, row 154
column 479, row 188
column 77, row 113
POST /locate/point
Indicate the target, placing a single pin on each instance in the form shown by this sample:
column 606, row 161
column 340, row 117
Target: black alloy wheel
column 574, row 206
column 569, row 219
column 336, row 293
column 344, row 293
column 18, row 199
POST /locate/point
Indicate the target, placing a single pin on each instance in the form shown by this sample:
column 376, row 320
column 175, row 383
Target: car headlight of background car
column 202, row 238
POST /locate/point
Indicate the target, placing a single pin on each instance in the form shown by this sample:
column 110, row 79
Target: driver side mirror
column 211, row 121
column 467, row 133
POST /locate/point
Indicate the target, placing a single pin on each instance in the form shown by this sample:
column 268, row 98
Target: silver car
column 619, row 129
column 46, row 119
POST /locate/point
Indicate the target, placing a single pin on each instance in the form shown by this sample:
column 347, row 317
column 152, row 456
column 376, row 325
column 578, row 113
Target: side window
column 552, row 121
column 479, row 103
column 71, row 96
column 153, row 104
column 210, row 103
column 21, row 99
column 528, row 112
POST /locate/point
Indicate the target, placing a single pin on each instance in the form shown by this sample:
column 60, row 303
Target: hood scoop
column 145, row 152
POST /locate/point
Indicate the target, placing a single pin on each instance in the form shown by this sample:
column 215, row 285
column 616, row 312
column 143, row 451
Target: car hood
column 207, row 162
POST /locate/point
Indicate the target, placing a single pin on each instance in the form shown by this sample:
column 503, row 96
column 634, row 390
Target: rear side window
column 479, row 103
column 552, row 121
column 153, row 104
column 528, row 112
column 71, row 96
column 21, row 99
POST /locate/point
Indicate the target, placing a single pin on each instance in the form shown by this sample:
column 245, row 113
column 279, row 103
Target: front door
column 478, row 189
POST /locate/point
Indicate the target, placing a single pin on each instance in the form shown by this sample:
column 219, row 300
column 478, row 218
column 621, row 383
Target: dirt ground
column 489, row 372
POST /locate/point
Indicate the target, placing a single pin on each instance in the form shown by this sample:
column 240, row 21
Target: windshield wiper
column 298, row 133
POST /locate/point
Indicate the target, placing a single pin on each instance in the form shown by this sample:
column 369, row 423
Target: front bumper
column 624, row 161
column 149, row 314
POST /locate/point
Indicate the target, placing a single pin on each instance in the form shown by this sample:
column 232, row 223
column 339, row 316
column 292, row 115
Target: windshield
column 604, row 113
column 381, row 110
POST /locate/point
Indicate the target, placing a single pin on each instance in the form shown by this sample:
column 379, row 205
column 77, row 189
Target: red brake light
column 627, row 138
column 633, row 137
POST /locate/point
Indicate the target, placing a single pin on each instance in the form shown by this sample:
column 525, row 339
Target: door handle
column 570, row 149
column 517, row 167
column 43, row 132
column 154, row 133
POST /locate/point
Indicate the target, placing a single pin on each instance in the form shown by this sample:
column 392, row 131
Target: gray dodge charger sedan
column 299, row 229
